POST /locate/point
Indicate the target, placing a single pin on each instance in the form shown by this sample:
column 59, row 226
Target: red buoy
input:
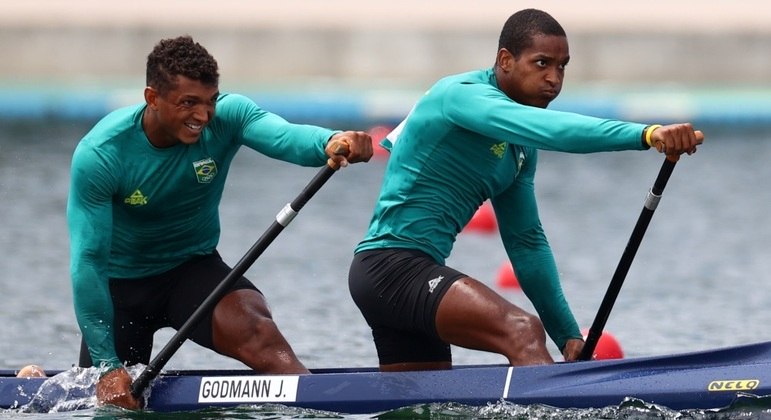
column 483, row 220
column 378, row 133
column 607, row 347
column 507, row 279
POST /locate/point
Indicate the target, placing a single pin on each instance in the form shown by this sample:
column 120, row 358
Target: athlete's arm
column 271, row 134
column 530, row 254
column 89, row 217
column 484, row 109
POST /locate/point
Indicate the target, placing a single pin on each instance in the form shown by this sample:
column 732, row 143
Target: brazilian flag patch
column 205, row 170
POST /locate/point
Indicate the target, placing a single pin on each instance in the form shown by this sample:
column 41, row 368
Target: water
column 699, row 280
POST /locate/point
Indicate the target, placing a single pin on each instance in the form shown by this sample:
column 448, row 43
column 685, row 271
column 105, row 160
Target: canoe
column 695, row 380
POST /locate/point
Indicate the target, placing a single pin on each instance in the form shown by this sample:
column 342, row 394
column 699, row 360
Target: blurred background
column 699, row 280
column 369, row 60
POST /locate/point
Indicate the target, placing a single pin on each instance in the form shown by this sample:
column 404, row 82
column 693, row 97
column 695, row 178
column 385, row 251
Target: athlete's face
column 535, row 77
column 181, row 114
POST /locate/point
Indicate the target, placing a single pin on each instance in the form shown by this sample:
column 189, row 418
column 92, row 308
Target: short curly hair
column 180, row 56
column 518, row 31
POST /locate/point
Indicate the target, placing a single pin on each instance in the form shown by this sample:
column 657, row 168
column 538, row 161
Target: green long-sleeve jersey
column 465, row 142
column 135, row 210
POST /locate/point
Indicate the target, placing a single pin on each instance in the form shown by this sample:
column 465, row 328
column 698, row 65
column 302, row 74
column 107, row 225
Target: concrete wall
column 383, row 41
column 368, row 60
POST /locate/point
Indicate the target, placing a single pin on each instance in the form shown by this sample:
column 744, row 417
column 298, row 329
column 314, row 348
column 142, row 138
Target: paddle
column 651, row 201
column 283, row 218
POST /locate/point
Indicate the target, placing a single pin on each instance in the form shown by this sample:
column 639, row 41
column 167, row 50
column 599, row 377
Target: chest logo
column 205, row 170
column 499, row 149
column 136, row 199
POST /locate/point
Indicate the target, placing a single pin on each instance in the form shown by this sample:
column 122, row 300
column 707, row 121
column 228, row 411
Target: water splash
column 71, row 390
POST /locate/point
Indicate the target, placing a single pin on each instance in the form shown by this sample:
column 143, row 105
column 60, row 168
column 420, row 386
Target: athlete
column 146, row 184
column 472, row 137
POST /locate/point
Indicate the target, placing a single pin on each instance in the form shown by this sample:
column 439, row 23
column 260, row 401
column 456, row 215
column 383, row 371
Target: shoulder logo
column 499, row 149
column 205, row 170
column 433, row 283
column 136, row 199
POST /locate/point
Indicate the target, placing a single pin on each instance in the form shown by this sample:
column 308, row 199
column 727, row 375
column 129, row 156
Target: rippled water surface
column 699, row 280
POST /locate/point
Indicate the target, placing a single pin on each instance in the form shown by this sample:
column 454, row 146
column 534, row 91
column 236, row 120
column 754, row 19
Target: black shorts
column 398, row 291
column 145, row 305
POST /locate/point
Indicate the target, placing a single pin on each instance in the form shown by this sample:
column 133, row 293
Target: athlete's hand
column 572, row 349
column 114, row 388
column 349, row 147
column 676, row 139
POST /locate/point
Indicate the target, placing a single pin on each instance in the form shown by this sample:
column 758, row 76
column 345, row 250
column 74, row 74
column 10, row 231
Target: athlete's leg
column 398, row 292
column 240, row 325
column 243, row 328
column 137, row 315
column 84, row 359
column 133, row 344
column 472, row 315
column 399, row 350
column 439, row 364
column 130, row 351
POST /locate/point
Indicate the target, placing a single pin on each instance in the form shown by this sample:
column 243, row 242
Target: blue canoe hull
column 696, row 380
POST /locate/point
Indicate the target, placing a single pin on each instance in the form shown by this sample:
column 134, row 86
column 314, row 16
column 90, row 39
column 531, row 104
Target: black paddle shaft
column 651, row 201
column 283, row 218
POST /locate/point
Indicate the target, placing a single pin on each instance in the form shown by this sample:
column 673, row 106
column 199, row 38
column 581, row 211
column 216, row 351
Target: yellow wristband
column 649, row 133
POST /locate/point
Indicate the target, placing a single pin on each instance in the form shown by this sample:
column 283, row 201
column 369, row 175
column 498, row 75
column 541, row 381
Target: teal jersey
column 465, row 142
column 135, row 210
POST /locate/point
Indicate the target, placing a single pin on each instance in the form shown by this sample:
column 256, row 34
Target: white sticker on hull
column 248, row 389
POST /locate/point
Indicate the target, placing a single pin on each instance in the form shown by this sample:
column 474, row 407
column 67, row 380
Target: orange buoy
column 607, row 347
column 378, row 133
column 31, row 371
column 507, row 279
column 483, row 220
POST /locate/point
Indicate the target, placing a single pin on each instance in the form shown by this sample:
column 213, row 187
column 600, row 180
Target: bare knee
column 525, row 326
column 262, row 348
column 243, row 329
column 473, row 316
column 256, row 337
column 526, row 339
